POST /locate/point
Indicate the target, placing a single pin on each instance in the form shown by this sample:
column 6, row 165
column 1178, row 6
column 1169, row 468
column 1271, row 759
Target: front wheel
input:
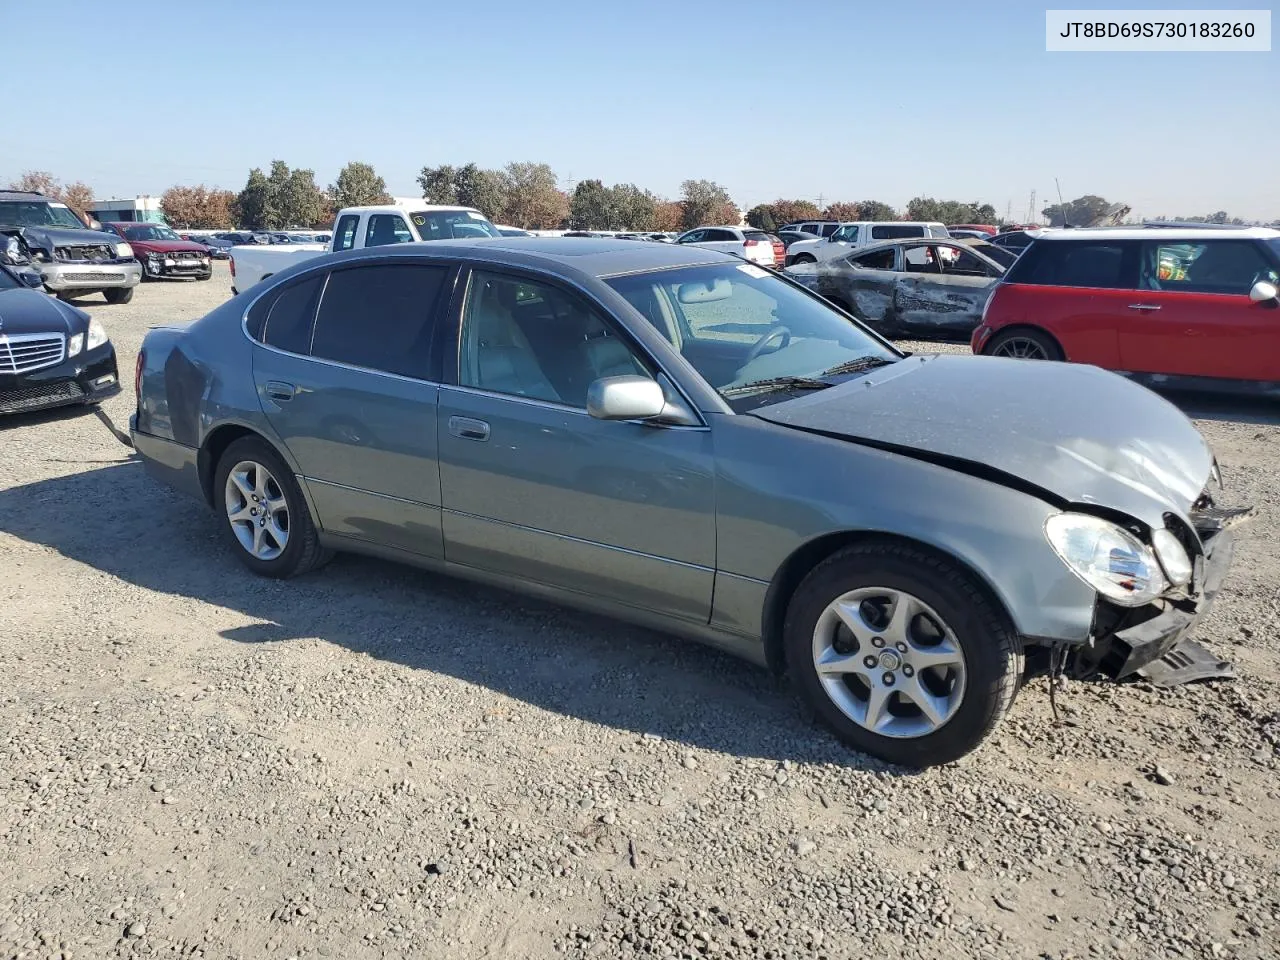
column 804, row 258
column 264, row 513
column 118, row 294
column 1023, row 344
column 901, row 653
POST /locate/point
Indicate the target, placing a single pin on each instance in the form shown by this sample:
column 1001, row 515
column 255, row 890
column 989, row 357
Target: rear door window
column 385, row 229
column 919, row 259
column 290, row 316
column 827, row 229
column 1107, row 265
column 876, row 260
column 1212, row 266
column 380, row 317
column 344, row 237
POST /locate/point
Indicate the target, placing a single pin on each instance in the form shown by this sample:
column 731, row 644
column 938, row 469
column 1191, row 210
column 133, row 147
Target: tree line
column 528, row 195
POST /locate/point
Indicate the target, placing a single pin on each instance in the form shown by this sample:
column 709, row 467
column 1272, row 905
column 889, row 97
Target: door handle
column 468, row 429
column 281, row 391
column 1144, row 306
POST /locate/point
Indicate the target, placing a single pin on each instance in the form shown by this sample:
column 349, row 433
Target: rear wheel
column 264, row 513
column 901, row 653
column 1024, row 344
column 118, row 294
column 804, row 258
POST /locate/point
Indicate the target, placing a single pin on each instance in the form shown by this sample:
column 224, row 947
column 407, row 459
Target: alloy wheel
column 257, row 510
column 1020, row 348
column 888, row 662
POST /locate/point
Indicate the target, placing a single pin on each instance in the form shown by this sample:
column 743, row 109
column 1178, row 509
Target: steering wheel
column 775, row 331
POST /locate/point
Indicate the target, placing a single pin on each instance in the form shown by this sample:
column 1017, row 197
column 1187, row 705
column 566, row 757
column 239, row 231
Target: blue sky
column 832, row 98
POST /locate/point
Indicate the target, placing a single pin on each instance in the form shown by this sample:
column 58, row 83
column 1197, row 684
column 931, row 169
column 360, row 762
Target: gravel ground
column 376, row 762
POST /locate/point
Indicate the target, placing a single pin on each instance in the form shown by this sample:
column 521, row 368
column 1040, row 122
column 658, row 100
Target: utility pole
column 1031, row 208
column 821, row 205
column 1008, row 211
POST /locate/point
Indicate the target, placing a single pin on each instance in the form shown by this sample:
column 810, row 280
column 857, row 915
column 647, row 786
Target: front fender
column 779, row 489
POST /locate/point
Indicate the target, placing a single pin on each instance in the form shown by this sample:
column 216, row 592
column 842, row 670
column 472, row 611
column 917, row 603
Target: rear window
column 754, row 235
column 939, row 231
column 1099, row 264
column 891, row 232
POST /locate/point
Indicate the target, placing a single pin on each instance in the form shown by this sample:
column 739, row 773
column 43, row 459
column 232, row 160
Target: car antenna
column 1061, row 206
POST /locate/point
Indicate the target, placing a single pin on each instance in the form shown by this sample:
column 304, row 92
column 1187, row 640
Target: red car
column 1200, row 304
column 986, row 228
column 162, row 252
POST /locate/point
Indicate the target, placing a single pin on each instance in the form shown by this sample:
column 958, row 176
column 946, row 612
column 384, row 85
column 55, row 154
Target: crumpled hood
column 1077, row 434
column 31, row 311
column 46, row 238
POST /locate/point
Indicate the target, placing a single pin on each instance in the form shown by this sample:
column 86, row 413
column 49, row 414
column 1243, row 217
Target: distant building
column 137, row 210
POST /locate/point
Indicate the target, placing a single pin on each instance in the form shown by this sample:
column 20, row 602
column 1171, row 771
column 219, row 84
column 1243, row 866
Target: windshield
column 453, row 225
column 150, row 232
column 1275, row 245
column 38, row 213
column 739, row 324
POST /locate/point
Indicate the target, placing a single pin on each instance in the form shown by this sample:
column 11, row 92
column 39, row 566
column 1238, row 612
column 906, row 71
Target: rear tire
column 118, row 294
column 804, row 258
column 901, row 653
column 1023, row 343
column 263, row 512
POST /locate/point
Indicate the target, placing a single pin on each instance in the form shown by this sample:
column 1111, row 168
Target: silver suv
column 71, row 259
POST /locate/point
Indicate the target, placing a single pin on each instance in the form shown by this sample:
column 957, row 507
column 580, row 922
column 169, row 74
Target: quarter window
column 291, row 317
column 379, row 317
column 1214, row 266
column 344, row 237
column 385, row 229
column 531, row 339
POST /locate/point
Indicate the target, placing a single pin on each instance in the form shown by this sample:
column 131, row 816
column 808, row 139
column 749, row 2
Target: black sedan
column 51, row 353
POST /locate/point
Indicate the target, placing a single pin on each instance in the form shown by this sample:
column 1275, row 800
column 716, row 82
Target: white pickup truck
column 852, row 235
column 358, row 227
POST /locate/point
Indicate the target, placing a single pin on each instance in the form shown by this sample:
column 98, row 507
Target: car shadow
column 571, row 663
column 34, row 418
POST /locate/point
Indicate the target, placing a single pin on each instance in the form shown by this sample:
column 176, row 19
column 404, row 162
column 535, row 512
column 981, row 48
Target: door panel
column 1203, row 335
column 366, row 444
column 616, row 509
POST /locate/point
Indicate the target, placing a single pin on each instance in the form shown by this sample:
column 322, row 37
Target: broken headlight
column 1107, row 557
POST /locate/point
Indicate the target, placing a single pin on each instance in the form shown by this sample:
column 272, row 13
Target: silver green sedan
column 679, row 438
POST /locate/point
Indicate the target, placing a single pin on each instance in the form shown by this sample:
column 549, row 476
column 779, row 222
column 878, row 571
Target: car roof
column 599, row 257
column 22, row 195
column 1148, row 233
column 403, row 207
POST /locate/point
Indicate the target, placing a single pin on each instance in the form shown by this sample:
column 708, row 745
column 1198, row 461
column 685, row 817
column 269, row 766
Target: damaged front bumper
column 1129, row 640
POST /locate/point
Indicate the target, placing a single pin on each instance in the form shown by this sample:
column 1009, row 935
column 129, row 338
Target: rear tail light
column 751, row 243
column 137, row 376
column 779, row 253
column 233, row 268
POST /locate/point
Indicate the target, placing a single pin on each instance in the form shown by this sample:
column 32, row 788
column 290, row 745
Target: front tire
column 1023, row 344
column 901, row 653
column 118, row 294
column 263, row 512
column 804, row 258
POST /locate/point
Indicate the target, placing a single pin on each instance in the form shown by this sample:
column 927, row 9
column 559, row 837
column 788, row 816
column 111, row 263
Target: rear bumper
column 173, row 464
column 90, row 276
column 1130, row 649
column 85, row 379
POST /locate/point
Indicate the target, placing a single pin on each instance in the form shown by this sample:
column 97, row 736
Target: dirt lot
column 375, row 762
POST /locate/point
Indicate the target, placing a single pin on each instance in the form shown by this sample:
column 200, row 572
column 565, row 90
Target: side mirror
column 31, row 279
column 1264, row 292
column 625, row 398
